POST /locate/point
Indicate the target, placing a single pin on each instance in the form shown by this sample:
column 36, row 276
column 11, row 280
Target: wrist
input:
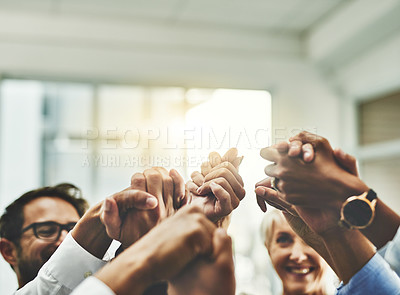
column 91, row 234
column 347, row 186
column 126, row 275
column 353, row 186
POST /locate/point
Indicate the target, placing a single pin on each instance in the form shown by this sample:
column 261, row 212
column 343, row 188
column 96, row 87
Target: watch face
column 357, row 212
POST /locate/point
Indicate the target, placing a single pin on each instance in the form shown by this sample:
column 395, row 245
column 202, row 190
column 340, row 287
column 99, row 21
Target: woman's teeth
column 299, row 270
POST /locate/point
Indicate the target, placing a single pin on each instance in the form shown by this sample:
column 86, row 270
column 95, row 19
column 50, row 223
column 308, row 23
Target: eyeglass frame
column 67, row 226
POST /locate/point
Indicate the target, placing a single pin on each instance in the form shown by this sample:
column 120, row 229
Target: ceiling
column 292, row 16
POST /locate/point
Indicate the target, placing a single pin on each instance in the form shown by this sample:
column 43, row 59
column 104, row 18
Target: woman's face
column 297, row 264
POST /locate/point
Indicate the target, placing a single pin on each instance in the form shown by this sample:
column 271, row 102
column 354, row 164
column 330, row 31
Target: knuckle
column 221, row 181
column 153, row 175
column 138, row 181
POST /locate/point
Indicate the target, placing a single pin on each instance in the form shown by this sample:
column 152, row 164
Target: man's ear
column 9, row 251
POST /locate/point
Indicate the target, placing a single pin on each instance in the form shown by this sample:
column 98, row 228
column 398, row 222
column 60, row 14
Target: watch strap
column 371, row 195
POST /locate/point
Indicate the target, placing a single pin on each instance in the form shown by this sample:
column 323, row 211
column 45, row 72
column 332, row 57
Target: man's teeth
column 301, row 271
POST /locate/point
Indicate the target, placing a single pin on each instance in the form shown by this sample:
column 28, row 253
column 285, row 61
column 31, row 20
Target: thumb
column 132, row 198
column 110, row 218
column 348, row 162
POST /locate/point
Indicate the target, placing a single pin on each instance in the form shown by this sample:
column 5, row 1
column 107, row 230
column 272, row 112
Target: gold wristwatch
column 358, row 212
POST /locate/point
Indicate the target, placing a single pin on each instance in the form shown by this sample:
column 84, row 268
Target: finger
column 132, row 198
column 168, row 187
column 295, row 148
column 197, row 178
column 138, row 181
column 224, row 204
column 306, row 137
column 110, row 218
column 192, row 187
column 236, row 162
column 226, row 174
column 273, row 197
column 318, row 142
column 230, row 155
column 215, row 159
column 282, row 147
column 229, row 181
column 225, row 165
column 205, row 168
column 234, row 197
column 179, row 188
column 308, row 152
column 265, row 182
column 261, row 203
column 154, row 184
column 270, row 170
column 270, row 154
column 348, row 162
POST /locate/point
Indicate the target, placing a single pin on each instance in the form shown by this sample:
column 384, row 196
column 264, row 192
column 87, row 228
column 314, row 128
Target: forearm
column 91, row 234
column 386, row 222
column 384, row 226
column 349, row 251
column 126, row 276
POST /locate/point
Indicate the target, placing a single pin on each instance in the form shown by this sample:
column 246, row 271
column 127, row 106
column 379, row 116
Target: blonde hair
column 272, row 217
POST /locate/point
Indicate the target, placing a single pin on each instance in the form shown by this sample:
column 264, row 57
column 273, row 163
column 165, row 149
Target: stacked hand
column 152, row 197
column 218, row 188
column 164, row 253
column 309, row 175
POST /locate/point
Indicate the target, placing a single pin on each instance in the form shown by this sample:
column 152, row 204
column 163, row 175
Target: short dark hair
column 13, row 218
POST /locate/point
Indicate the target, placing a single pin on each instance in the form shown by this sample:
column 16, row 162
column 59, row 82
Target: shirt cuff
column 71, row 264
column 93, row 286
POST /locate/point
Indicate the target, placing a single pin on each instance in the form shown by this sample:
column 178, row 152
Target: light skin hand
column 219, row 188
column 159, row 191
column 161, row 254
column 208, row 276
column 91, row 233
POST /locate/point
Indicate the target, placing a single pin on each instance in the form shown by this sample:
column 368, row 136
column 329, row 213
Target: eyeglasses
column 49, row 230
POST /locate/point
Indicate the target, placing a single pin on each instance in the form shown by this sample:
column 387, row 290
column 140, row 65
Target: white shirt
column 64, row 271
column 391, row 253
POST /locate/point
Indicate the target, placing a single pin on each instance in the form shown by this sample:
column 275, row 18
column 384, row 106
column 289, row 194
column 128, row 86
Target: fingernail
column 307, row 156
column 341, row 152
column 261, row 192
column 151, row 202
column 107, row 205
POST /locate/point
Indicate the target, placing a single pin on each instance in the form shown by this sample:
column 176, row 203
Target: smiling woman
column 300, row 268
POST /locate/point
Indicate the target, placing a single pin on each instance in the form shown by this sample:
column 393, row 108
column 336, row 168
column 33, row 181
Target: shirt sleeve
column 375, row 278
column 93, row 286
column 391, row 253
column 64, row 271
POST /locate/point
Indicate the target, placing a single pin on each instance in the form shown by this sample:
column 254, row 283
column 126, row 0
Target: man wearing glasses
column 34, row 225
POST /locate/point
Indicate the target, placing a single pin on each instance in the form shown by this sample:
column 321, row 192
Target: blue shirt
column 375, row 278
column 391, row 253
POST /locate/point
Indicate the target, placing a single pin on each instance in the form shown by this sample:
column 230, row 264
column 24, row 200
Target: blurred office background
column 94, row 91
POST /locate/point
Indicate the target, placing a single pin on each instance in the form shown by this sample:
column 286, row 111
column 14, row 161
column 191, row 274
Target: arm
column 385, row 217
column 159, row 191
column 161, row 254
column 90, row 231
column 213, row 276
